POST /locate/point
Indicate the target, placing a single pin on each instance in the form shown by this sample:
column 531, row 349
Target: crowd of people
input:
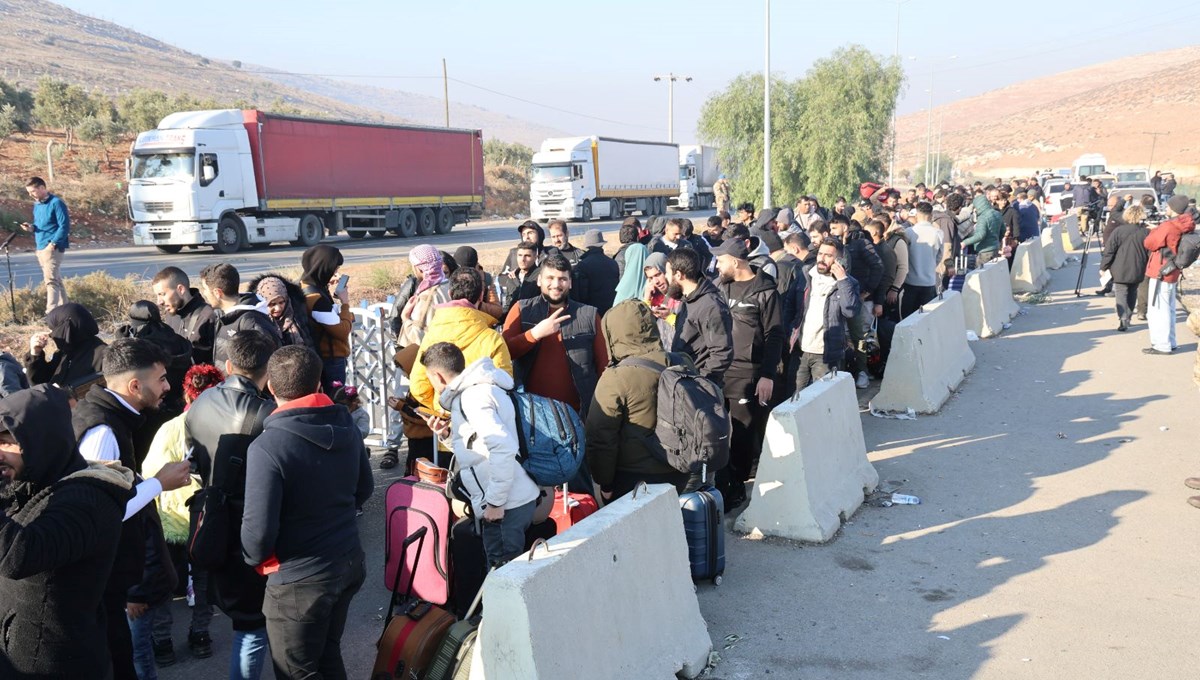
column 216, row 445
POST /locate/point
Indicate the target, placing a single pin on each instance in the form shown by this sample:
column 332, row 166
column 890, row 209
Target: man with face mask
column 59, row 532
column 551, row 337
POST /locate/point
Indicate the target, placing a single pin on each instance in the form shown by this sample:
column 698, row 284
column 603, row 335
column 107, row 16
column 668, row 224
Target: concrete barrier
column 988, row 300
column 1052, row 246
column 1029, row 273
column 611, row 597
column 814, row 470
column 929, row 358
column 1072, row 241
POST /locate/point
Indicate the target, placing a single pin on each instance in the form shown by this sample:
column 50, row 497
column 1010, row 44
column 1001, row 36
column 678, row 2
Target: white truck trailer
column 579, row 178
column 697, row 175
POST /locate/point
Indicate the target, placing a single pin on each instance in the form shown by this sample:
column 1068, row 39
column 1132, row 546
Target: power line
column 552, row 108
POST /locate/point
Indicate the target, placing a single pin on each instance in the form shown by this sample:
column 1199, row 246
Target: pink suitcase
column 411, row 504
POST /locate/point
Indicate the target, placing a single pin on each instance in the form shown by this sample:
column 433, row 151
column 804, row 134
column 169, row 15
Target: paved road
column 1053, row 541
column 146, row 261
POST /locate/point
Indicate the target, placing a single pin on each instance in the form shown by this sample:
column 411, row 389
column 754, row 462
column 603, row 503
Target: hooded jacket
column 80, row 355
column 1125, row 257
column 310, row 473
column 484, row 437
column 757, row 335
column 704, row 331
column 58, row 538
column 146, row 323
column 865, row 265
column 1166, row 235
column 196, row 322
column 620, row 427
column 12, row 375
column 295, row 328
column 594, row 279
column 250, row 314
column 468, row 329
column 989, row 226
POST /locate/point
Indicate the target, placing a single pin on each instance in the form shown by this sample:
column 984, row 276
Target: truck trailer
column 232, row 178
column 578, row 178
column 697, row 175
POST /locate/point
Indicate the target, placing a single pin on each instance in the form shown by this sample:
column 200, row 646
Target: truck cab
column 185, row 175
column 563, row 184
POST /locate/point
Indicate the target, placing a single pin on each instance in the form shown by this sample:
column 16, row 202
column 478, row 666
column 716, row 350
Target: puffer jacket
column 484, row 437
column 468, row 329
column 620, row 425
column 250, row 314
column 989, row 226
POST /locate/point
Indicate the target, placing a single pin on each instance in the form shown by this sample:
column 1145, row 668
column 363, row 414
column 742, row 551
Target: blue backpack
column 550, row 437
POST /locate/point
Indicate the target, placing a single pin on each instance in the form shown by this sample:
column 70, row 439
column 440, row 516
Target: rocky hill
column 1048, row 122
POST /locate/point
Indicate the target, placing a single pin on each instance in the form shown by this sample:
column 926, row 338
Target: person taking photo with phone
column 329, row 305
column 51, row 230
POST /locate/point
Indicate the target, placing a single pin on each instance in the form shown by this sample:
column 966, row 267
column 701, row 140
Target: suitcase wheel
column 717, row 580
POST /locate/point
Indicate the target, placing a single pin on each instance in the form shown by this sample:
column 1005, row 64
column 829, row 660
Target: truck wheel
column 377, row 233
column 614, row 210
column 356, row 234
column 170, row 250
column 310, row 232
column 445, row 220
column 427, row 222
column 587, row 211
column 231, row 235
column 408, row 223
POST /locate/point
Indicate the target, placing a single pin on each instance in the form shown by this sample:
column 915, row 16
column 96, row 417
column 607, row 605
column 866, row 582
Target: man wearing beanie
column 1163, row 244
column 468, row 257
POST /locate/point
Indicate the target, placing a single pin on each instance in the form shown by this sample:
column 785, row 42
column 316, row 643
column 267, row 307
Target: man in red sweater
column 1160, row 317
column 557, row 345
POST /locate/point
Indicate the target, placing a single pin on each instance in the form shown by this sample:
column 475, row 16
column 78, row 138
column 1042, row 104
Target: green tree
column 497, row 152
column 22, row 103
column 942, row 169
column 829, row 129
column 61, row 105
column 8, row 122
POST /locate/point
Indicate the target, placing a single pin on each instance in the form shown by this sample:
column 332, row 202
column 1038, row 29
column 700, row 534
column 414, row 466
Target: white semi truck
column 579, row 178
column 697, row 175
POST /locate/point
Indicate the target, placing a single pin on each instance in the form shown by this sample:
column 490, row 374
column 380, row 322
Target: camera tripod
column 12, row 295
column 1093, row 231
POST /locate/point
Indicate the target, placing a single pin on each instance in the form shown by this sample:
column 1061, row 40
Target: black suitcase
column 704, row 527
column 469, row 560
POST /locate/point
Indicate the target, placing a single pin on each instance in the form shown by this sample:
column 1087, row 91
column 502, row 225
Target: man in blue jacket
column 51, row 228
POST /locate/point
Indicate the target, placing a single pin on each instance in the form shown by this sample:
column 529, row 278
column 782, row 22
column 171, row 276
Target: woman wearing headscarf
column 79, row 358
column 633, row 279
column 332, row 320
column 283, row 299
column 432, row 290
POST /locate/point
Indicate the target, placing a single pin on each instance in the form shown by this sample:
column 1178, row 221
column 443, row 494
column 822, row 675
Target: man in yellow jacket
column 460, row 323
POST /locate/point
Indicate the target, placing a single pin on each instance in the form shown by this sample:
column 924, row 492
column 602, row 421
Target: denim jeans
column 202, row 612
column 505, row 539
column 248, row 654
column 334, row 370
column 143, row 647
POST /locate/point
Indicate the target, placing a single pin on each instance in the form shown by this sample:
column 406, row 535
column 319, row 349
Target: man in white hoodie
column 482, row 433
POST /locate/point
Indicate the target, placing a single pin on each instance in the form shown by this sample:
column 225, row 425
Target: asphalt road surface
column 145, row 261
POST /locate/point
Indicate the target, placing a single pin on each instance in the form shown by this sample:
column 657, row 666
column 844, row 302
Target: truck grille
column 158, row 206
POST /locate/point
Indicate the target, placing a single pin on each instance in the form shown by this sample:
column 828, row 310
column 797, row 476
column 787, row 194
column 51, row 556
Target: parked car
column 1055, row 190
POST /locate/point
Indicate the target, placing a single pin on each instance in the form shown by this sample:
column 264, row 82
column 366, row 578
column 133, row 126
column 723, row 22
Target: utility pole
column 767, row 113
column 671, row 78
column 1154, row 142
column 446, row 91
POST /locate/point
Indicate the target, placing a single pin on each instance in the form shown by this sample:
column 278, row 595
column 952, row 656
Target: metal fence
column 370, row 367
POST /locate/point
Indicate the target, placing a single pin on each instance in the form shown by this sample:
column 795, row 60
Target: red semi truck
column 232, row 178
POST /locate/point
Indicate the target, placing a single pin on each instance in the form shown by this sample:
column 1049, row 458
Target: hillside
column 40, row 38
column 1048, row 122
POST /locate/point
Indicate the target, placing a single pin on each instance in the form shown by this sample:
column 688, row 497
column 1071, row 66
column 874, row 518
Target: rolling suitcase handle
column 417, row 537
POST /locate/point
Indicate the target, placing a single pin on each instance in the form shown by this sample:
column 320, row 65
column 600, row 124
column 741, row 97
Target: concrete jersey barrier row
column 988, row 300
column 929, row 358
column 1052, row 246
column 1029, row 273
column 611, row 597
column 814, row 471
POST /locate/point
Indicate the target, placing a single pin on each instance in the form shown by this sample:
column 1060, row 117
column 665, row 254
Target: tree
column 497, row 152
column 22, row 103
column 236, row 64
column 829, row 129
column 940, row 168
column 59, row 104
column 8, row 122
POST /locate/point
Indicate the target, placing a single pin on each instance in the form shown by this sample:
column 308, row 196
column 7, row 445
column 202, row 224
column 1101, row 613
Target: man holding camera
column 1163, row 244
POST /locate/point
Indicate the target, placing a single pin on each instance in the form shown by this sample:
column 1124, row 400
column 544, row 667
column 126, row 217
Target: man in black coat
column 596, row 275
column 310, row 474
column 218, row 429
column 56, row 548
column 187, row 312
column 1125, row 259
column 235, row 311
column 520, row 283
column 703, row 327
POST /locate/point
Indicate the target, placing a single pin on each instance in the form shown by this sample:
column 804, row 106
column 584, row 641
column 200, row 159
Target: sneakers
column 391, row 458
column 200, row 644
column 863, row 381
column 164, row 653
column 1151, row 350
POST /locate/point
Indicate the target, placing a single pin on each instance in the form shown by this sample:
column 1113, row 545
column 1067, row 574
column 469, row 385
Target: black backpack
column 693, row 424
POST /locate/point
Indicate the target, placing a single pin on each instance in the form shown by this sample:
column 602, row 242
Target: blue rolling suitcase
column 704, row 527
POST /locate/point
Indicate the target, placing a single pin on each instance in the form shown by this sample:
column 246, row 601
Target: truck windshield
column 683, row 172
column 164, row 165
column 1131, row 177
column 551, row 173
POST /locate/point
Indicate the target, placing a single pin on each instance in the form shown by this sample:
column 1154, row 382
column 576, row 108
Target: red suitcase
column 571, row 508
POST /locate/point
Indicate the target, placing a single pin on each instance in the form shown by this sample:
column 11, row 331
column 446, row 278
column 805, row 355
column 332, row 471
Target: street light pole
column 767, row 112
column 892, row 162
column 671, row 78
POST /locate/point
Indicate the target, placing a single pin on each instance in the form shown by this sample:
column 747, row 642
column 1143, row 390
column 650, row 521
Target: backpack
column 693, row 424
column 550, row 438
column 1189, row 250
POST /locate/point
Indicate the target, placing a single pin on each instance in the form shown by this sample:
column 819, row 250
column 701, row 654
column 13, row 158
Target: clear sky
column 598, row 58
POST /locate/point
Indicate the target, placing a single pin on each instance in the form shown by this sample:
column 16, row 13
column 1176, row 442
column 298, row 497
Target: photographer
column 1163, row 244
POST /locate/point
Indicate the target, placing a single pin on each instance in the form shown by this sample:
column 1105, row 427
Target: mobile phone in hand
column 341, row 284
